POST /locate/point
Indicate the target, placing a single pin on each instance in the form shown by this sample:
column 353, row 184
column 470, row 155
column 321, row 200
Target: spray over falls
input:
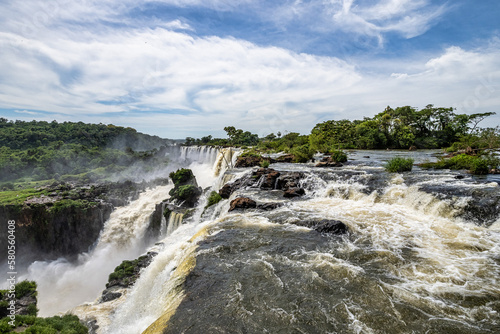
column 422, row 254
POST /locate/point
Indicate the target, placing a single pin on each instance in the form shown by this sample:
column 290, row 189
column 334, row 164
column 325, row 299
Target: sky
column 178, row 68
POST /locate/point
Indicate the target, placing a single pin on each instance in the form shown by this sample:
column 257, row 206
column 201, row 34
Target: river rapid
column 422, row 255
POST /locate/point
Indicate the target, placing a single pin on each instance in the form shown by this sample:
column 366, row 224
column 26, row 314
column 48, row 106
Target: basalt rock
column 269, row 177
column 294, row 192
column 242, row 203
column 288, row 158
column 326, row 226
column 266, row 179
column 127, row 273
column 269, row 206
column 328, row 162
column 289, row 180
column 248, row 161
column 186, row 191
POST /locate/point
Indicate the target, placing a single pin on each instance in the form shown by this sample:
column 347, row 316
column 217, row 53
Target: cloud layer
column 94, row 61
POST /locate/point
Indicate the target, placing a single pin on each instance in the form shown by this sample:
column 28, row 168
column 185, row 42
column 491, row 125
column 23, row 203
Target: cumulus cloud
column 163, row 79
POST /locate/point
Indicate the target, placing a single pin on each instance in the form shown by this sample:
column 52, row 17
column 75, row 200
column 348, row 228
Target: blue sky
column 178, row 68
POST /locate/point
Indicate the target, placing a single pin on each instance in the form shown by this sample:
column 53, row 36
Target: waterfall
column 158, row 286
column 174, row 221
column 411, row 262
column 63, row 285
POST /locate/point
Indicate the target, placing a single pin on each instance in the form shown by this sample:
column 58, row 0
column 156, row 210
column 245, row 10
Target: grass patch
column 398, row 165
column 18, row 197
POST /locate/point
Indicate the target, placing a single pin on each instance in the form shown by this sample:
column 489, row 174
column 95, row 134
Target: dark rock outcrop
column 294, row 192
column 253, row 161
column 328, row 162
column 51, row 231
column 242, row 203
column 24, row 304
column 248, row 161
column 186, row 191
column 326, row 226
column 289, row 180
column 266, row 179
column 66, row 219
column 269, row 206
column 127, row 272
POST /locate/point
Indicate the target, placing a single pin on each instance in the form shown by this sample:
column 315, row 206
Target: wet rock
column 288, row 158
column 91, row 325
column 269, row 181
column 186, row 191
column 328, row 162
column 412, row 148
column 229, row 188
column 109, row 296
column 459, row 177
column 289, row 180
column 248, row 161
column 242, row 203
column 128, row 272
column 331, row 227
column 326, row 226
column 366, row 157
column 269, row 206
column 294, row 192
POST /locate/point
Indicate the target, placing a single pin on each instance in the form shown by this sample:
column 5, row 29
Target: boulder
column 294, row 192
column 269, row 181
column 248, row 161
column 109, row 296
column 326, row 226
column 269, row 206
column 412, row 148
column 289, row 180
column 330, row 227
column 285, row 158
column 242, row 203
column 328, row 162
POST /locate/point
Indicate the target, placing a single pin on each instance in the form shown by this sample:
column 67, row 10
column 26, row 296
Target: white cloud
column 165, row 81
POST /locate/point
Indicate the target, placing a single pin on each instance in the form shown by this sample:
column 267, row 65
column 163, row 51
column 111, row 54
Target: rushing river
column 422, row 255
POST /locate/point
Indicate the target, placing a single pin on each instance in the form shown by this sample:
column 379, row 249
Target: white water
column 151, row 294
column 450, row 257
column 63, row 285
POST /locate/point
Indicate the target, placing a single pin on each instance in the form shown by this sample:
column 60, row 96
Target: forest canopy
column 400, row 128
column 40, row 150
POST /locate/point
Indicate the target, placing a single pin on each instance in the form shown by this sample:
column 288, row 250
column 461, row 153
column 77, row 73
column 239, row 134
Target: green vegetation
column 68, row 324
column 398, row 165
column 125, row 269
column 475, row 164
column 400, row 128
column 264, row 163
column 25, row 288
column 34, row 151
column 339, row 156
column 185, row 193
column 181, row 176
column 214, row 198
